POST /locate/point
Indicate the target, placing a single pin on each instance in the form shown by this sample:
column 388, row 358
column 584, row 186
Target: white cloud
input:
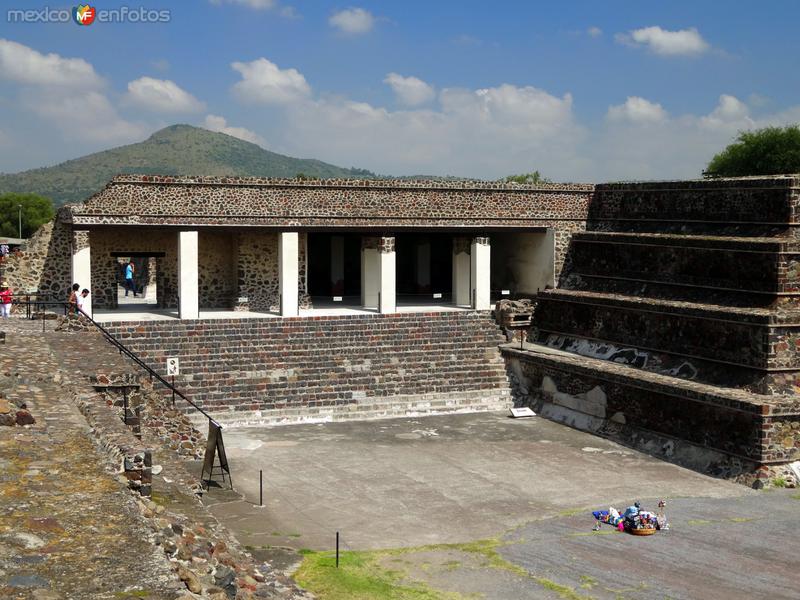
column 161, row 95
column 352, row 21
column 673, row 147
column 594, row 32
column 264, row 82
column 25, row 65
column 217, row 123
column 729, row 114
column 85, row 116
column 481, row 133
column 66, row 93
column 637, row 110
column 410, row 91
column 684, row 42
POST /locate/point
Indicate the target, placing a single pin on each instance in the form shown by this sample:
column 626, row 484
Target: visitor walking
column 130, row 284
column 81, row 300
column 5, row 300
column 4, row 251
column 72, row 301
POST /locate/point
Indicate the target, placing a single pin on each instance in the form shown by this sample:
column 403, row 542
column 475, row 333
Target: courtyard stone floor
column 529, row 486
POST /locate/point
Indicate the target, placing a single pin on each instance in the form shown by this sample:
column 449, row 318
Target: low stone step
column 714, row 242
column 398, row 406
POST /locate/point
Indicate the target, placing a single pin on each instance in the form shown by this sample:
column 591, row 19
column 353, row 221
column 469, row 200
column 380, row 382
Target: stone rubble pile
column 173, row 427
column 209, row 562
column 72, row 323
column 11, row 414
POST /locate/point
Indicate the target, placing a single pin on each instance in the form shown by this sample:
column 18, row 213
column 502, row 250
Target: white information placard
column 522, row 412
column 173, row 366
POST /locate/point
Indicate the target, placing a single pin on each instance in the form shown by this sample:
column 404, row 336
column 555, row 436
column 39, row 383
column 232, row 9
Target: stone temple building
column 267, row 245
column 667, row 314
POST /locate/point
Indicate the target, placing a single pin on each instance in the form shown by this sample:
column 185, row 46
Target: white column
column 370, row 268
column 387, row 276
column 189, row 302
column 461, row 272
column 288, row 272
column 480, row 272
column 82, row 271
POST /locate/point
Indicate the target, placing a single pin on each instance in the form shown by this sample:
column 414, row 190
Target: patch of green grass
column 779, row 482
column 452, row 565
column 159, row 499
column 741, row 519
column 563, row 591
column 695, row 522
column 486, row 549
column 796, row 496
column 360, row 577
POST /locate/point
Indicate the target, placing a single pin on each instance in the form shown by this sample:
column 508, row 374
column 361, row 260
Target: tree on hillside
column 768, row 151
column 36, row 210
column 534, row 177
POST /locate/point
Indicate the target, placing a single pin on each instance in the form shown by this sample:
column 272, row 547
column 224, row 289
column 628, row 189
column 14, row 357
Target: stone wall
column 217, row 269
column 706, row 428
column 136, row 199
column 45, row 262
column 257, row 268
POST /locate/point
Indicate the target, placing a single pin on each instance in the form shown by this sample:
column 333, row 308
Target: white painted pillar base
column 461, row 272
column 288, row 272
column 387, row 276
column 82, row 274
column 188, row 277
column 480, row 271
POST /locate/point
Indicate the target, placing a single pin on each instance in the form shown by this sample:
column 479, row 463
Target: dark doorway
column 424, row 268
column 334, row 269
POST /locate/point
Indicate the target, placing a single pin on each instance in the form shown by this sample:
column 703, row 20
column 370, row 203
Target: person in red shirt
column 5, row 300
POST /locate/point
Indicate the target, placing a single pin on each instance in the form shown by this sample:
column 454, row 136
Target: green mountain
column 174, row 150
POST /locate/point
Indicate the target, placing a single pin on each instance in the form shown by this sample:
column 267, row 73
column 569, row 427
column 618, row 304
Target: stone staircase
column 248, row 371
column 679, row 317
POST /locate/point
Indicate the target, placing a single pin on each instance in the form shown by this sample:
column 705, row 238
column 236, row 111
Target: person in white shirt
column 81, row 299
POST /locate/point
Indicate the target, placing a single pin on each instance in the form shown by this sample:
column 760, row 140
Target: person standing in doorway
column 130, row 284
column 5, row 300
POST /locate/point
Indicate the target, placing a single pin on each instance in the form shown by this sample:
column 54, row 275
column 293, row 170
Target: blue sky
column 582, row 91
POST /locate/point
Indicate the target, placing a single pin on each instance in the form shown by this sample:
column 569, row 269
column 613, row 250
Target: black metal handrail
column 127, row 352
column 152, row 372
